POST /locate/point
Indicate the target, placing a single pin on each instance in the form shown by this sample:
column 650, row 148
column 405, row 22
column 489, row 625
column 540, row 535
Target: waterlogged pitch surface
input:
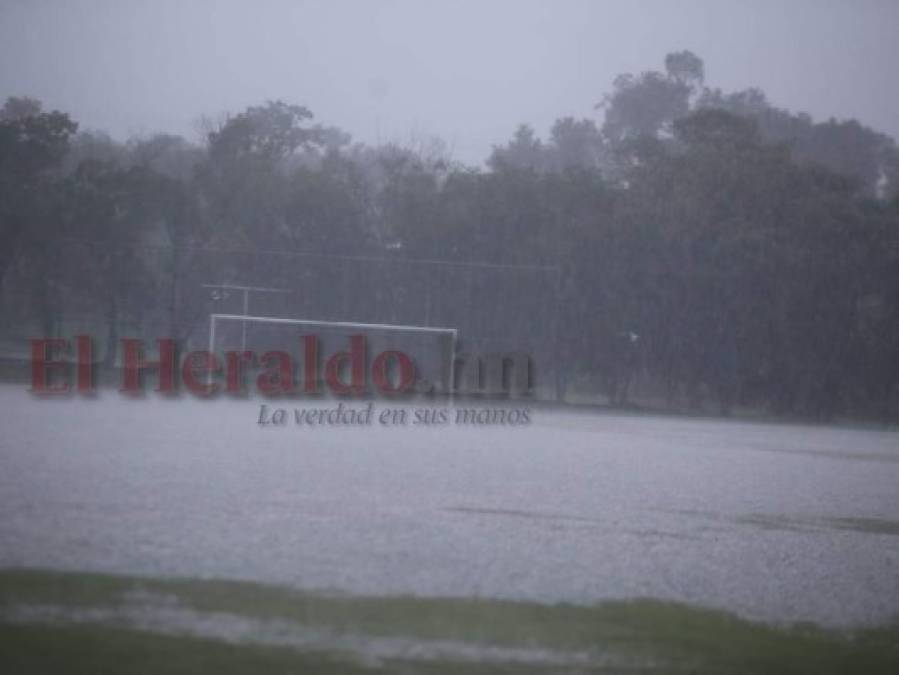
column 773, row 522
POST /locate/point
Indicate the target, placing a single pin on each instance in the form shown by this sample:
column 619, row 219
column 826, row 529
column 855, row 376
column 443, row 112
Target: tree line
column 712, row 248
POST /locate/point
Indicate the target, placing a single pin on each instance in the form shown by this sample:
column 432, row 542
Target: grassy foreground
column 100, row 649
column 52, row 622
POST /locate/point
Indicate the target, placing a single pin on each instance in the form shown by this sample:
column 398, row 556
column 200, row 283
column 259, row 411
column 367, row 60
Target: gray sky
column 468, row 71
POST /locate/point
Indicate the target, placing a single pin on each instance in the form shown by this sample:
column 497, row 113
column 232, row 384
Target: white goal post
column 433, row 348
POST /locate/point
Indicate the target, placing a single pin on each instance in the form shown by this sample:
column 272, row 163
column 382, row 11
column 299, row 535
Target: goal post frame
column 349, row 325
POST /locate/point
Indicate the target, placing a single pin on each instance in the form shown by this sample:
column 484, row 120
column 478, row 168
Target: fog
column 405, row 71
column 452, row 335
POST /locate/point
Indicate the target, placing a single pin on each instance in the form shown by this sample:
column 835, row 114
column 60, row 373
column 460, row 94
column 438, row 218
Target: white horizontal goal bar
column 335, row 324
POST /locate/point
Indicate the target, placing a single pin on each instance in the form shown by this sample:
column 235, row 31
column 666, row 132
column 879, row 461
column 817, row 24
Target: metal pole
column 246, row 312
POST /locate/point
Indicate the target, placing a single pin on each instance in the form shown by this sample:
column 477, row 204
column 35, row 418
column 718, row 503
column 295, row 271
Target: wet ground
column 779, row 523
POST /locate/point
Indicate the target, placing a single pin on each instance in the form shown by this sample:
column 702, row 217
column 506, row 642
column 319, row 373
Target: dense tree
column 845, row 147
column 32, row 144
column 697, row 247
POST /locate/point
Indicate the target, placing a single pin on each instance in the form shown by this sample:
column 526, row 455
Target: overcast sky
column 467, row 71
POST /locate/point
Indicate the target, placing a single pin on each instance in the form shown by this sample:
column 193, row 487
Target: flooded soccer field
column 586, row 519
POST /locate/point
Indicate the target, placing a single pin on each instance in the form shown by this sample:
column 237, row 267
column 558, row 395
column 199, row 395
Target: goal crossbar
column 335, row 324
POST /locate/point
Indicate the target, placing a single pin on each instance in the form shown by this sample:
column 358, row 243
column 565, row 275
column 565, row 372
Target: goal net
column 430, row 350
